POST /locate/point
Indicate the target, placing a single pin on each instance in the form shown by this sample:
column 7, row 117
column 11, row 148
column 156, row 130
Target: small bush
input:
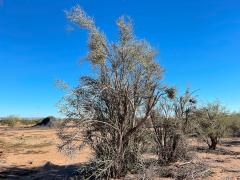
column 211, row 126
column 170, row 123
column 171, row 144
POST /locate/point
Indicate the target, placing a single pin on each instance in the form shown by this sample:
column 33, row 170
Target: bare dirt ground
column 33, row 147
column 224, row 162
column 23, row 151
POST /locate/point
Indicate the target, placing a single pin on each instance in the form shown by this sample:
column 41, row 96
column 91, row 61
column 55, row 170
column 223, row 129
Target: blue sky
column 199, row 44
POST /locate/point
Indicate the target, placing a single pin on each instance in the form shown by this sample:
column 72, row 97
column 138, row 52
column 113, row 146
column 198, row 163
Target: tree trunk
column 213, row 144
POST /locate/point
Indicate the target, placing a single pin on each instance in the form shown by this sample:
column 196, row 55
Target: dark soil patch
column 47, row 172
column 219, row 151
column 231, row 143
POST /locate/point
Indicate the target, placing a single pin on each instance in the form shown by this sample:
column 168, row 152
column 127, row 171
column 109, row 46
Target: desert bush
column 211, row 127
column 170, row 123
column 107, row 112
column 12, row 121
column 232, row 122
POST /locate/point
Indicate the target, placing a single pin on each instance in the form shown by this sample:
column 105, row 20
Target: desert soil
column 34, row 147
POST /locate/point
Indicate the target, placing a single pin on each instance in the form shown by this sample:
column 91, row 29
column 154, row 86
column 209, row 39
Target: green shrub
column 211, row 125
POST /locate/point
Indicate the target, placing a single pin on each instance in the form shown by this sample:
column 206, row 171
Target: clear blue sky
column 199, row 44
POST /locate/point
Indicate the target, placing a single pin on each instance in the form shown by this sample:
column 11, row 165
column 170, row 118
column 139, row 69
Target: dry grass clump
column 182, row 170
column 192, row 170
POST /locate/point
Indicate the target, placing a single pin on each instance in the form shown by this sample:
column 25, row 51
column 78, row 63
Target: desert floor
column 30, row 148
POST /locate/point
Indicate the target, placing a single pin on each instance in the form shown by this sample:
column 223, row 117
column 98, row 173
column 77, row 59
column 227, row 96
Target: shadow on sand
column 231, row 143
column 47, row 172
column 218, row 151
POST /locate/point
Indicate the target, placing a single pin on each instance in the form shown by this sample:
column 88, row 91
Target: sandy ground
column 224, row 162
column 32, row 147
column 29, row 148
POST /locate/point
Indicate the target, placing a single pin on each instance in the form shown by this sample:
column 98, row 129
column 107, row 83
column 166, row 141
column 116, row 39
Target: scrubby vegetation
column 125, row 107
column 125, row 112
column 232, row 124
column 170, row 123
column 110, row 110
column 12, row 121
column 211, row 126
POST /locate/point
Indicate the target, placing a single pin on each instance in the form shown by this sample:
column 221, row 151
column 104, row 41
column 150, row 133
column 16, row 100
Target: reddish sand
column 32, row 147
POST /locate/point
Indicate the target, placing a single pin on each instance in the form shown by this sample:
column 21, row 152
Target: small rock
column 219, row 160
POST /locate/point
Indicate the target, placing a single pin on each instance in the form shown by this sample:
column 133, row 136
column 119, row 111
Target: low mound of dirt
column 49, row 122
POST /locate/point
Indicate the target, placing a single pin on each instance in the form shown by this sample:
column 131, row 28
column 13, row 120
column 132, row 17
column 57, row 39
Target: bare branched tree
column 107, row 112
